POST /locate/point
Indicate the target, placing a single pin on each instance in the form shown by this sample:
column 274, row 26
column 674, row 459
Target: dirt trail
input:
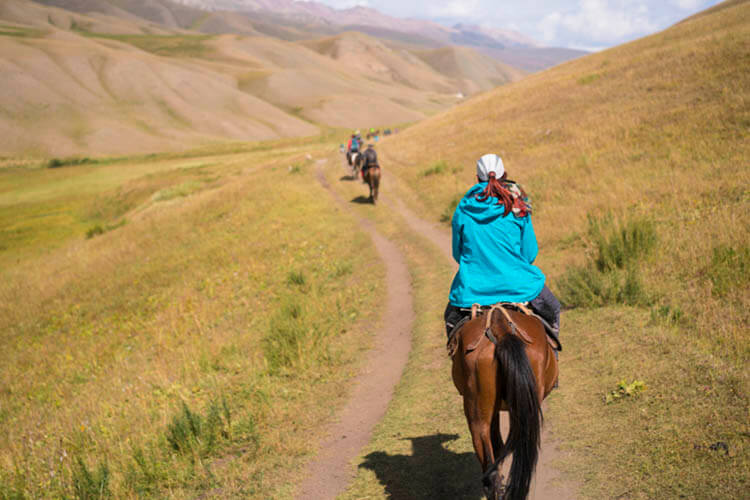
column 330, row 472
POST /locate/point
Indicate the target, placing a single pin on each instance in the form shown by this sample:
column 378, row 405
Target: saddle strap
column 488, row 330
column 552, row 336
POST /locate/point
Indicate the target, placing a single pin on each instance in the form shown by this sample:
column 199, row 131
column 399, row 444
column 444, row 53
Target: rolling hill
column 113, row 82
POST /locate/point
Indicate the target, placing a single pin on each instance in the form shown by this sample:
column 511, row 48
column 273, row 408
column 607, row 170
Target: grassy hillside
column 655, row 134
column 168, row 329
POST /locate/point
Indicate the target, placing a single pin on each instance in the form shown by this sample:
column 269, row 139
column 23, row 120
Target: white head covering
column 490, row 163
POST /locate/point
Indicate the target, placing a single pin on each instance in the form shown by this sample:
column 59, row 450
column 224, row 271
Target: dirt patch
column 331, row 471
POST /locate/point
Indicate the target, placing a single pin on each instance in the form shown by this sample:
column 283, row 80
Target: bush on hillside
column 619, row 245
column 90, row 485
column 65, row 162
column 729, row 269
column 447, row 214
column 612, row 272
column 190, row 433
column 436, row 168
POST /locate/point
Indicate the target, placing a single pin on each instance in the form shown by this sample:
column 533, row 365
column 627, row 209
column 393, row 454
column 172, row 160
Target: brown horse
column 502, row 361
column 372, row 178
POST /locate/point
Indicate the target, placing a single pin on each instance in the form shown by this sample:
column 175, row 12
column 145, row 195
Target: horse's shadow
column 362, row 200
column 430, row 471
column 348, row 178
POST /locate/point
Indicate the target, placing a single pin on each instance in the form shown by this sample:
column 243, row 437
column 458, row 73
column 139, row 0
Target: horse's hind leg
column 497, row 437
column 479, row 417
column 496, row 476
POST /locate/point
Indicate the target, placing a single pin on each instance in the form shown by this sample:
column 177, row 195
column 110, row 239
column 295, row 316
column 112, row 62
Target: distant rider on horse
column 353, row 146
column 495, row 247
column 369, row 160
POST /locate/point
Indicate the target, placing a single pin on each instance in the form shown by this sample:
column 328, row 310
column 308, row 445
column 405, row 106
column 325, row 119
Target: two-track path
column 331, row 471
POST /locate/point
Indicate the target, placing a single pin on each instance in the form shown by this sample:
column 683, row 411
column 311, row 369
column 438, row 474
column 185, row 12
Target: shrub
column 98, row 229
column 342, row 269
column 729, row 269
column 588, row 287
column 184, row 431
column 94, row 231
column 625, row 390
column 436, row 168
column 447, row 214
column 585, row 80
column 620, row 244
column 288, row 331
column 667, row 314
column 189, row 433
column 145, row 473
column 611, row 274
column 64, row 162
column 296, row 278
column 90, row 485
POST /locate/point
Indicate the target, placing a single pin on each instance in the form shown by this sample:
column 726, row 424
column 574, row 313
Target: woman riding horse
column 501, row 360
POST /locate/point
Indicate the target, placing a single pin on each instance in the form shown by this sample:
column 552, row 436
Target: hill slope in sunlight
column 655, row 133
column 110, row 82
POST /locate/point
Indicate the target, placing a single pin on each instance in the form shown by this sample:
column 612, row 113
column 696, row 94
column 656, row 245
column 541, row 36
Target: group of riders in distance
column 364, row 161
column 502, row 320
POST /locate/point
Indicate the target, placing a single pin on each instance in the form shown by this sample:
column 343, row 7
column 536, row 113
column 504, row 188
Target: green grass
column 178, row 320
column 162, row 45
column 64, row 162
column 612, row 273
column 436, row 169
column 19, row 32
column 588, row 79
column 729, row 269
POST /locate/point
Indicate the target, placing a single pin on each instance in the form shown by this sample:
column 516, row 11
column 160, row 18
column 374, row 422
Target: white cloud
column 455, row 8
column 564, row 23
column 686, row 4
column 598, row 22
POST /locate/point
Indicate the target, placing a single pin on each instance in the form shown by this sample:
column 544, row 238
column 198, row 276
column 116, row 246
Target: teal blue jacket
column 495, row 254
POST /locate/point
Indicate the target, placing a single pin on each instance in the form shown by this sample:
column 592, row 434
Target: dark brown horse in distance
column 372, row 177
column 502, row 361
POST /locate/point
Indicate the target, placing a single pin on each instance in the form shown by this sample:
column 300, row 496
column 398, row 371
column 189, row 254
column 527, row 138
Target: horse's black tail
column 517, row 387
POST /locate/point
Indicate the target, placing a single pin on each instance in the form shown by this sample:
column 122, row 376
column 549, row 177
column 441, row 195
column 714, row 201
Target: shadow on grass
column 348, row 178
column 430, row 471
column 362, row 200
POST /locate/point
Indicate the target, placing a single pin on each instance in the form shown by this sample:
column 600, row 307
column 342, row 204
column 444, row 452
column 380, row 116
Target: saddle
column 476, row 310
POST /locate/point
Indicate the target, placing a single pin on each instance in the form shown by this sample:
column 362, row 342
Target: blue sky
column 586, row 24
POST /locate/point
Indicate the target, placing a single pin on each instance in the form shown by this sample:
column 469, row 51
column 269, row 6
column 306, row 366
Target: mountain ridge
column 203, row 87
